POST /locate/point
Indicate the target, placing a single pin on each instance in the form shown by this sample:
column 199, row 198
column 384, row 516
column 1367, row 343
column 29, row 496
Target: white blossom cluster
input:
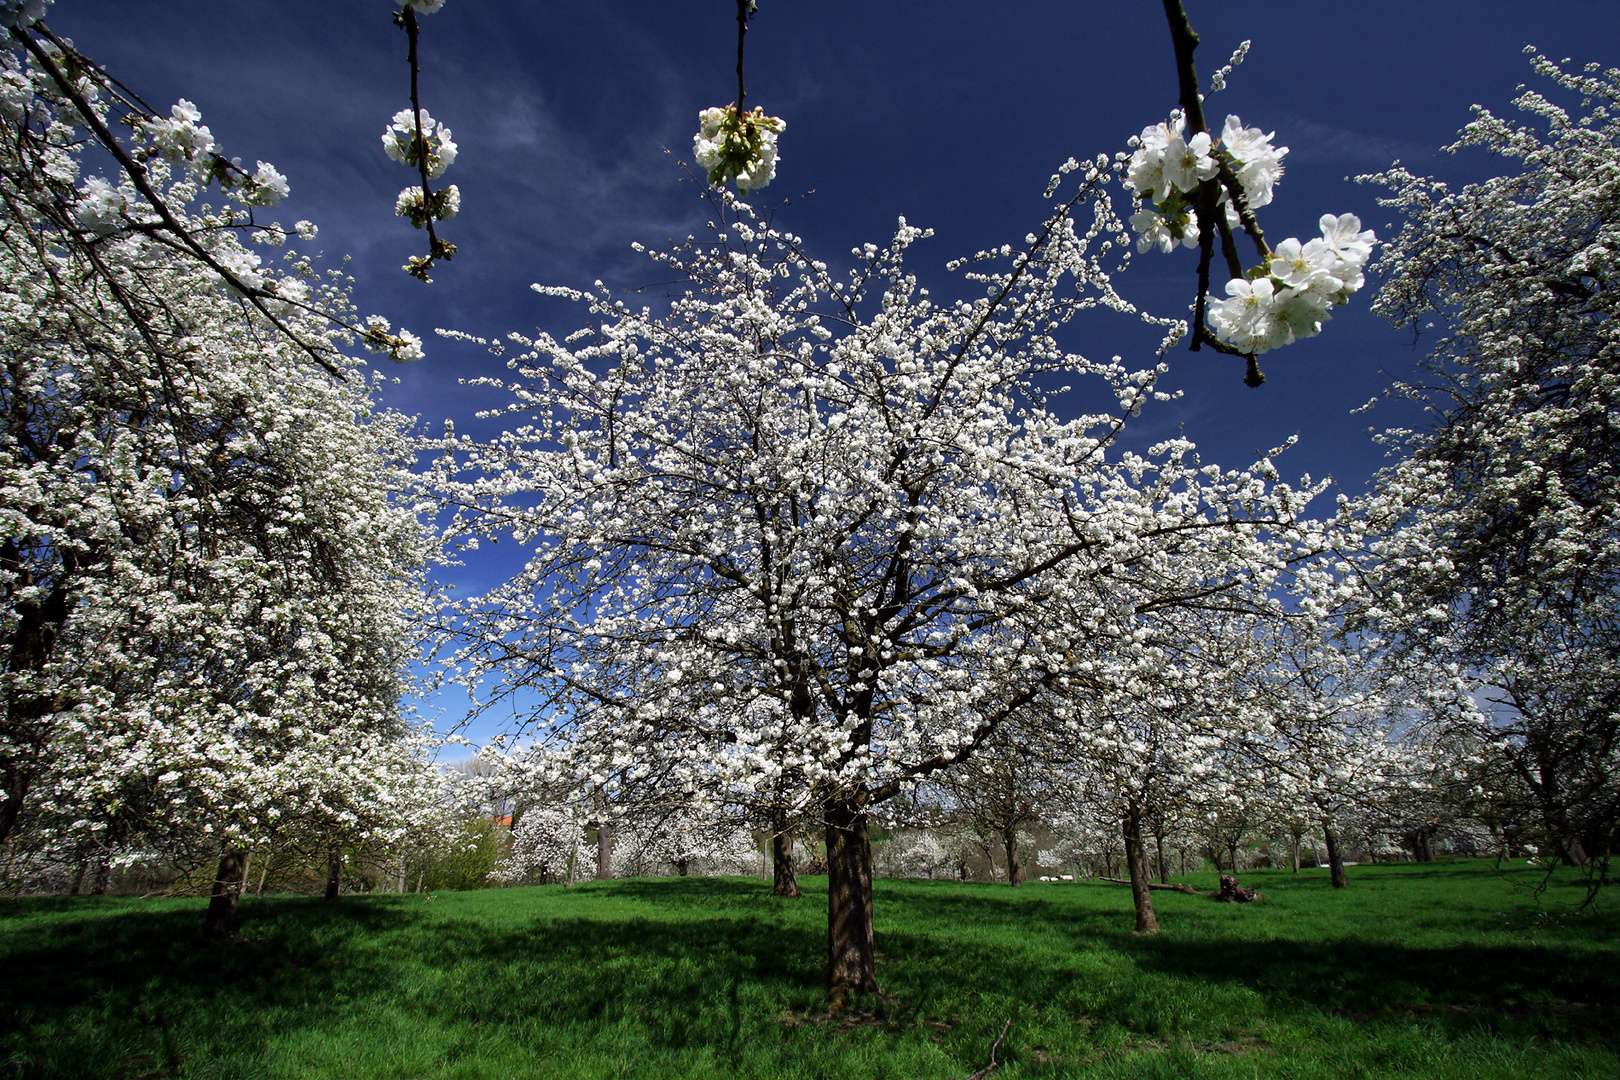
column 182, row 139
column 1166, row 168
column 737, row 146
column 1289, row 297
column 1301, row 283
column 22, row 12
column 432, row 149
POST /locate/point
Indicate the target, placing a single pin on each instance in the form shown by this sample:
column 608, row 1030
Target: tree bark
column 334, row 873
column 1164, row 867
column 851, row 953
column 604, row 850
column 1335, row 860
column 784, row 879
column 1136, row 860
column 221, row 917
column 1009, row 844
column 103, row 873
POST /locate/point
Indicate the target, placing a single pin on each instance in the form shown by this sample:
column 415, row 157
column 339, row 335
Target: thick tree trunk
column 1335, row 860
column 1136, row 861
column 334, row 873
column 1231, row 851
column 221, row 917
column 1009, row 844
column 78, row 878
column 851, row 954
column 604, row 851
column 784, row 880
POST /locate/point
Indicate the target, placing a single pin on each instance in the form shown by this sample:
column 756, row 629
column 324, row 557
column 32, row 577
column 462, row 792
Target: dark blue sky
column 950, row 112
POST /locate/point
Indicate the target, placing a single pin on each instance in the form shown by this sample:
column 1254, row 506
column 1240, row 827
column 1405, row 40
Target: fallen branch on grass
column 993, row 1047
column 1188, row 889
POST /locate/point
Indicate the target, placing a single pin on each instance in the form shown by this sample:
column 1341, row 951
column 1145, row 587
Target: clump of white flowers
column 23, row 12
column 441, row 205
column 1288, row 296
column 414, row 138
column 182, row 138
column 434, row 147
column 1289, row 299
column 401, row 347
column 737, row 146
column 1166, row 168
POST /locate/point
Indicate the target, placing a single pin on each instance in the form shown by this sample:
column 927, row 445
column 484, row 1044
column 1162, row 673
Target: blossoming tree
column 1498, row 553
column 209, row 553
column 827, row 528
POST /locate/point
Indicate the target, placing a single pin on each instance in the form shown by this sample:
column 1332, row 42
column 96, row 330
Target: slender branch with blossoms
column 1194, row 187
column 52, row 96
column 414, row 138
column 733, row 144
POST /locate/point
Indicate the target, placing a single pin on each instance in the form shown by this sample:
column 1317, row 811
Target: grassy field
column 1448, row 970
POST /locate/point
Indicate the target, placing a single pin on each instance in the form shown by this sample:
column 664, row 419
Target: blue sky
column 949, row 112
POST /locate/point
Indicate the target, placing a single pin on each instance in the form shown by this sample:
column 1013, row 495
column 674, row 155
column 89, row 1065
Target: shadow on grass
column 1556, row 991
column 134, row 993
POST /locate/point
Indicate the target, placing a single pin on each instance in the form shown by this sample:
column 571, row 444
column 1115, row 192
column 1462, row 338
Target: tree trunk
column 334, row 873
column 78, row 878
column 103, row 873
column 604, row 851
column 1164, row 867
column 1009, row 844
column 784, row 880
column 1136, row 862
column 1231, row 848
column 851, row 953
column 221, row 917
column 1335, row 861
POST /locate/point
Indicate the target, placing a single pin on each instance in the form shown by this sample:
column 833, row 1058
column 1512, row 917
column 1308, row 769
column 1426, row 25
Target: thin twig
column 988, row 1069
column 742, row 32
column 1184, row 40
column 437, row 248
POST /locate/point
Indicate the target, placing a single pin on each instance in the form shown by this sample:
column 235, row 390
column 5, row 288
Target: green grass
column 1415, row 971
